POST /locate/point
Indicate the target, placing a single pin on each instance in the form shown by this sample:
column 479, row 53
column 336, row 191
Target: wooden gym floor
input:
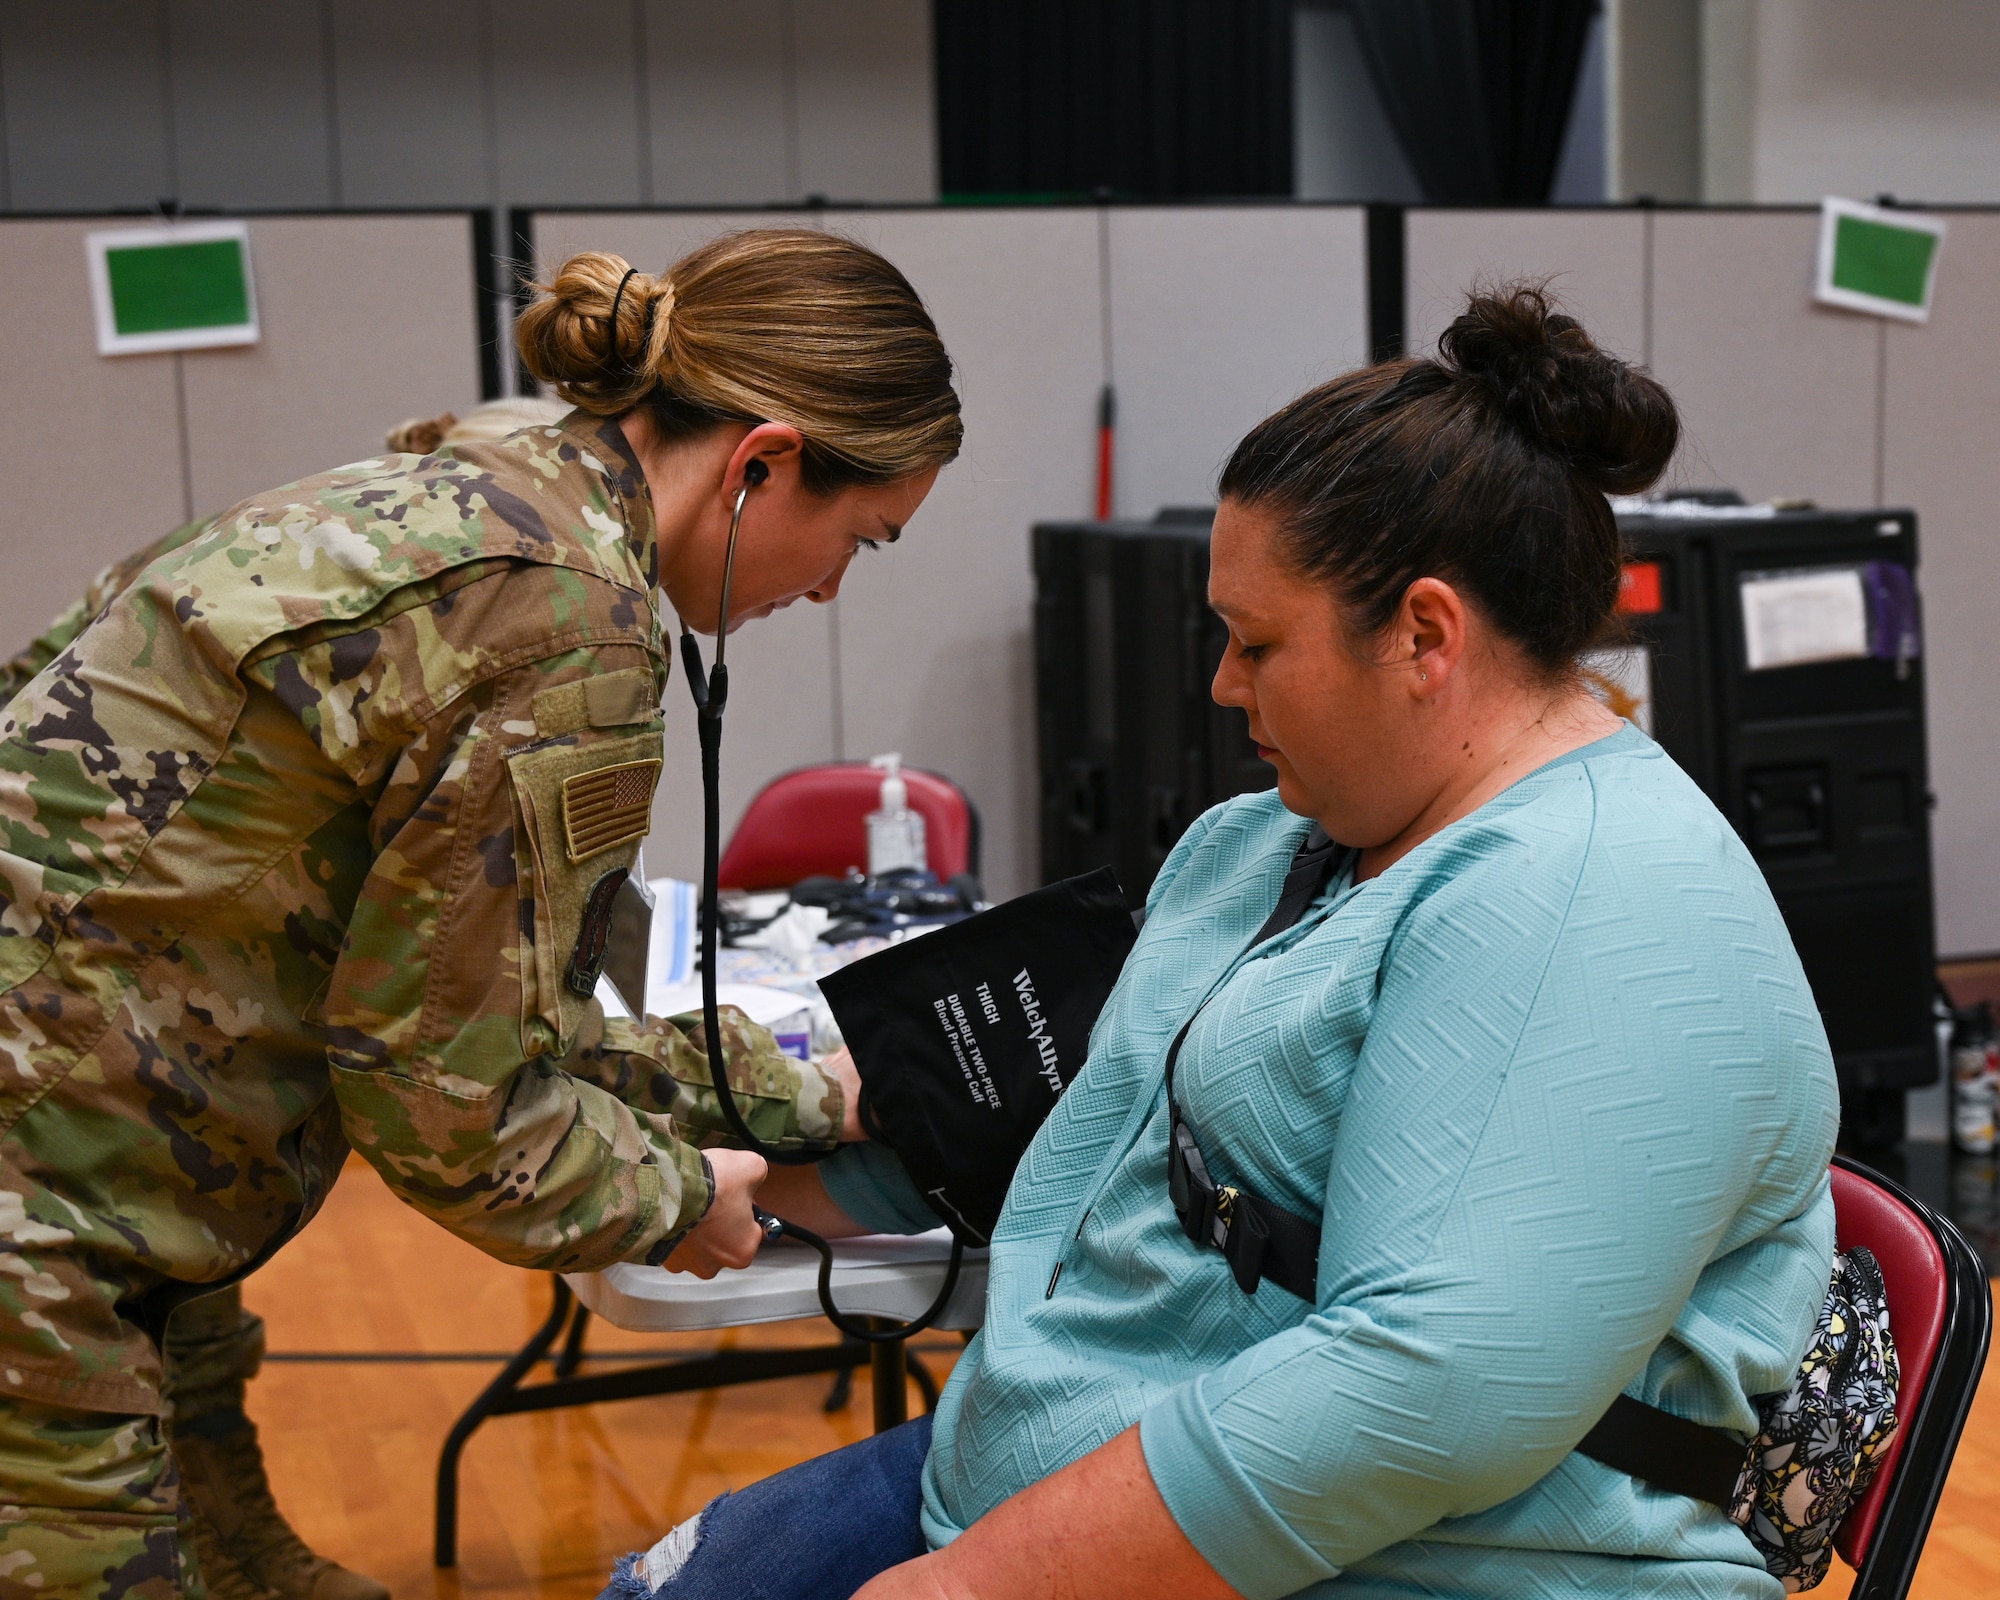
column 548, row 1501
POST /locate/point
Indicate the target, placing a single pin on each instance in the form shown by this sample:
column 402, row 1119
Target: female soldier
column 212, row 1345
column 1526, row 1060
column 309, row 840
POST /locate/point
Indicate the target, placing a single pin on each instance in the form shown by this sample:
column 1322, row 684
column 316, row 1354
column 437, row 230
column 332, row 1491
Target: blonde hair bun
column 568, row 339
column 788, row 325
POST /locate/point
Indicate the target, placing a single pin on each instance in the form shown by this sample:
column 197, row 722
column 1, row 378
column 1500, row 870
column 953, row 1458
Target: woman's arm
column 798, row 1194
column 1096, row 1530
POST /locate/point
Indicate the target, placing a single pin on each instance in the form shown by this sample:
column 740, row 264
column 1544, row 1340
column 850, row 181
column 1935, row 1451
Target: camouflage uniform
column 213, row 1345
column 308, row 841
column 17, row 673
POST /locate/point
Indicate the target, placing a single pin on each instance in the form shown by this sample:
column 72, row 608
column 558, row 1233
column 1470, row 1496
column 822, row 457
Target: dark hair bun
column 1613, row 423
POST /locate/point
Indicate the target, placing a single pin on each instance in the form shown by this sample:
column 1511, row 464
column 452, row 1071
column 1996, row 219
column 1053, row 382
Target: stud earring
column 1423, row 677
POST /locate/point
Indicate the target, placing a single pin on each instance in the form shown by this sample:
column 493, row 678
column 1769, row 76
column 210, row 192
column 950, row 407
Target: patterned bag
column 1823, row 1438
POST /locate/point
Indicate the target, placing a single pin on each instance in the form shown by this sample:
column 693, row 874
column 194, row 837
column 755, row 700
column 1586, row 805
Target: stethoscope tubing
column 710, row 690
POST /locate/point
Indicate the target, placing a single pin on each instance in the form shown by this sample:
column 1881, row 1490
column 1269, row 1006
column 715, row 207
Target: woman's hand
column 728, row 1236
column 1096, row 1530
column 841, row 1065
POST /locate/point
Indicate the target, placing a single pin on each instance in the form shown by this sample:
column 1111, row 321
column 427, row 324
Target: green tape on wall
column 185, row 286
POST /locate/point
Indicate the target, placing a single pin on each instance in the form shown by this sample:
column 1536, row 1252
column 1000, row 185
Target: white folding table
column 879, row 1276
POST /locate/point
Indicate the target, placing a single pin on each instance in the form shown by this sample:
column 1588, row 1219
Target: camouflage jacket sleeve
column 508, row 737
column 109, row 583
column 661, row 1064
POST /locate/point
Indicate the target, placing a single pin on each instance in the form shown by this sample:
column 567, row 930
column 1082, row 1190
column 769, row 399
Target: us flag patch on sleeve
column 608, row 806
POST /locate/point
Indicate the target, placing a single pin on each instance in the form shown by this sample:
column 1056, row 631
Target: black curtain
column 1151, row 99
column 1478, row 91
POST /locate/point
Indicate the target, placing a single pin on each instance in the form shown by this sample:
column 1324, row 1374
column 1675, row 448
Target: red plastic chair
column 1941, row 1315
column 809, row 824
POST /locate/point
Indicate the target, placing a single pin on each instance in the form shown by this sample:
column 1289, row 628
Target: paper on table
column 794, row 933
column 1794, row 617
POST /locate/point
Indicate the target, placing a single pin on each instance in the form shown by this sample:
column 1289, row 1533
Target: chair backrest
column 1940, row 1315
column 809, row 823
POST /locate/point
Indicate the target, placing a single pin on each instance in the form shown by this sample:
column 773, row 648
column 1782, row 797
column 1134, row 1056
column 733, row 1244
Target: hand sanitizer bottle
column 895, row 832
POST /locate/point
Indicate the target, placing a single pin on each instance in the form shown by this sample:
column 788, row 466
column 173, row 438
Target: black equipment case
column 1132, row 748
column 1820, row 767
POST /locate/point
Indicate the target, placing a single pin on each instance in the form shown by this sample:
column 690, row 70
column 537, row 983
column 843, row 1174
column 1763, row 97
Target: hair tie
column 611, row 354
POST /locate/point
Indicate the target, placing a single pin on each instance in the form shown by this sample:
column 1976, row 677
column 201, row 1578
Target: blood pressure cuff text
column 966, row 1038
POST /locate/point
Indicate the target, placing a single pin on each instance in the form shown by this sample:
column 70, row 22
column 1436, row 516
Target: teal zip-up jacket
column 1555, row 1084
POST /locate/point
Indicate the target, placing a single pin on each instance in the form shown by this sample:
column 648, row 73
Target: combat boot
column 246, row 1549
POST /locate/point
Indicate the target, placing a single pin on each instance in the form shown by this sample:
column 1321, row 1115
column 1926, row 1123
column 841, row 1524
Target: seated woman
column 1539, row 1059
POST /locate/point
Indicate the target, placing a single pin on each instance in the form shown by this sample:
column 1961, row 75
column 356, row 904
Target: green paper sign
column 1878, row 259
column 185, row 286
column 162, row 286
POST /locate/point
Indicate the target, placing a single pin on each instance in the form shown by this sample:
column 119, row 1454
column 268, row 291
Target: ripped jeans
column 817, row 1531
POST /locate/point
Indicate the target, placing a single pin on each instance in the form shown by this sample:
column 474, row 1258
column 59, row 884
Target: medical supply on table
column 906, row 898
column 895, row 832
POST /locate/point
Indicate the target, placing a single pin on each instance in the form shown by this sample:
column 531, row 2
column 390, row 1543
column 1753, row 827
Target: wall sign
column 1877, row 259
column 182, row 286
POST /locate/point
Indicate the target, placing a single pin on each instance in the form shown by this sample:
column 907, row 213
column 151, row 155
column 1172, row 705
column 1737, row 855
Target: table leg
column 507, row 1395
column 445, row 1529
column 892, row 1399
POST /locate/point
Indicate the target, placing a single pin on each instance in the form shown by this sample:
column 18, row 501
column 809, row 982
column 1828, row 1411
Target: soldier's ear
column 776, row 447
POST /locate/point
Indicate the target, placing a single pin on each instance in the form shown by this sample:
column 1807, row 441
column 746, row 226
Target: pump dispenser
column 895, row 832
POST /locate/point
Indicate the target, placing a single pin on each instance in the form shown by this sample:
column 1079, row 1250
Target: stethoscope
column 710, row 689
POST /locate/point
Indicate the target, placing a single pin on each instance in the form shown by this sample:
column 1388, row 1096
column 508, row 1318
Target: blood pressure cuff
column 965, row 1038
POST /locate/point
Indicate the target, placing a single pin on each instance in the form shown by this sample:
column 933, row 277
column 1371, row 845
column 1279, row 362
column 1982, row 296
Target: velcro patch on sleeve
column 609, row 701
column 607, row 806
column 620, row 697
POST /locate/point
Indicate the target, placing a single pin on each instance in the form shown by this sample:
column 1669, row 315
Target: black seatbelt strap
column 1258, row 1239
column 1667, row 1451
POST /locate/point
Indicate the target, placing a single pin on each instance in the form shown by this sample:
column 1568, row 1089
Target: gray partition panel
column 651, row 240
column 1941, row 421
column 783, row 671
column 781, row 716
column 1777, row 394
column 936, row 634
column 90, row 447
column 1594, row 262
column 1219, row 315
column 365, row 320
